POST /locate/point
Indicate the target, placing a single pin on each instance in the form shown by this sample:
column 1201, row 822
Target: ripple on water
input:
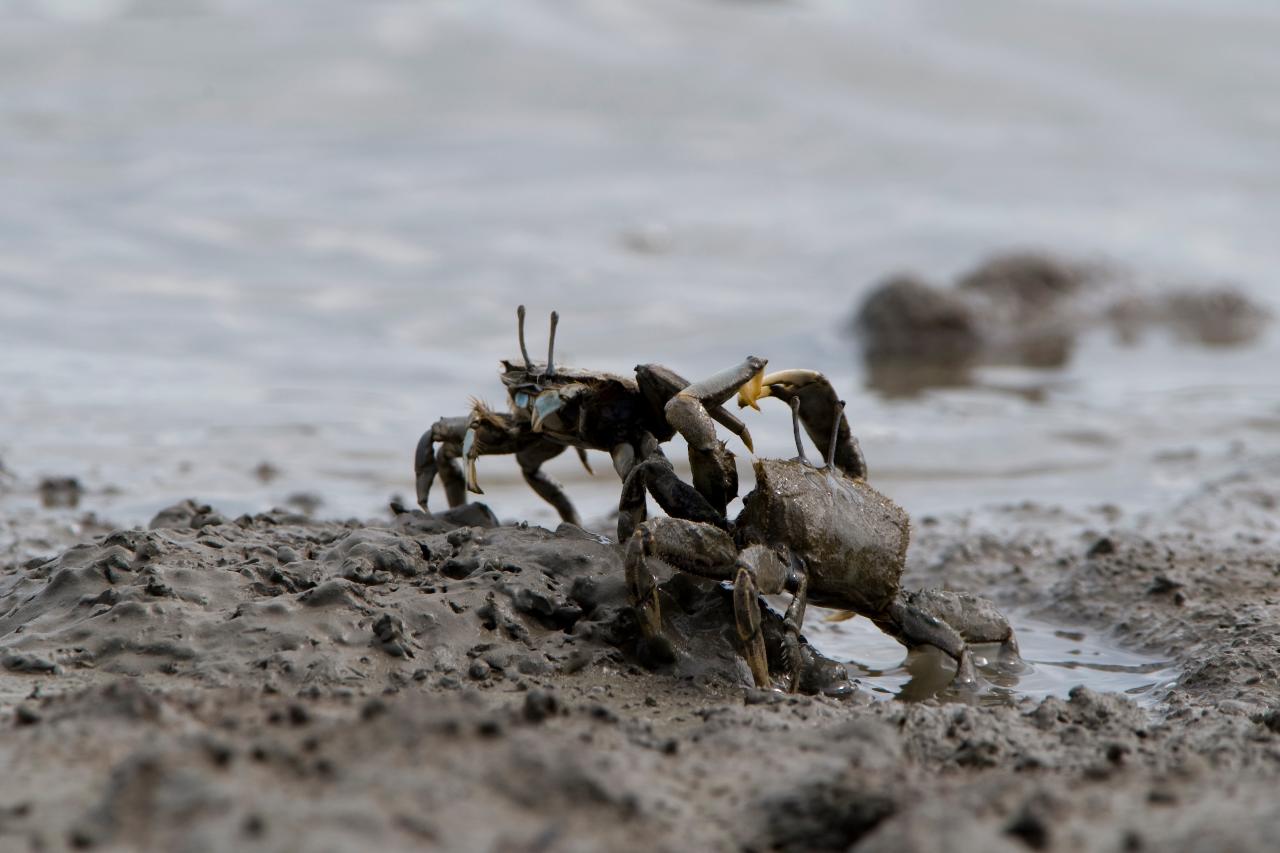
column 1057, row 659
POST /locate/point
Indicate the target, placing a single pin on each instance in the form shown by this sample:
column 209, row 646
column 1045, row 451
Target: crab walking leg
column 975, row 618
column 642, row 586
column 820, row 411
column 758, row 571
column 625, row 456
column 714, row 474
column 746, row 613
column 914, row 626
column 677, row 498
column 791, row 623
column 428, row 462
column 530, row 460
column 795, row 428
column 707, row 551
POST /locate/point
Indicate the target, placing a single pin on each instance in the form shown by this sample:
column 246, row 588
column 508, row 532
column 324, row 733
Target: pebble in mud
column 25, row 715
column 392, row 637
column 540, row 704
column 64, row 492
column 1028, row 308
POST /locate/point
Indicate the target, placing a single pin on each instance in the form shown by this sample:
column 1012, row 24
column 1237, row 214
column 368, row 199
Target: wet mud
column 276, row 682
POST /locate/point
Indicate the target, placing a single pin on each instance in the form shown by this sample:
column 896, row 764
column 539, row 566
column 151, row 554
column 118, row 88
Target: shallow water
column 304, row 240
column 1057, row 659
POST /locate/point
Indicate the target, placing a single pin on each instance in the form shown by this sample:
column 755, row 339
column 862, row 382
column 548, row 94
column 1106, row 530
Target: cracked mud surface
column 274, row 683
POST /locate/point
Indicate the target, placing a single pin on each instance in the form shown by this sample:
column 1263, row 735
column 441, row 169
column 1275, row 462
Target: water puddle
column 1057, row 659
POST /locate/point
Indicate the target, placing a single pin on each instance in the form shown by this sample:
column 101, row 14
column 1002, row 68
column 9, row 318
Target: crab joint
column 753, row 390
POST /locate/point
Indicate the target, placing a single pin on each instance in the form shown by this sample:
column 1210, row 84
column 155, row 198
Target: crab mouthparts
column 753, row 390
column 546, row 405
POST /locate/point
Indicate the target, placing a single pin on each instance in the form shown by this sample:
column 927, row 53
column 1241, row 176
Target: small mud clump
column 1029, row 309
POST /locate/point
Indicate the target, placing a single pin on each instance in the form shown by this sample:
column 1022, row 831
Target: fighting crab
column 820, row 533
column 554, row 407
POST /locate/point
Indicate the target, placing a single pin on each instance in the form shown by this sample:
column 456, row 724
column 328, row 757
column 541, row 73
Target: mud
column 273, row 682
column 1030, row 309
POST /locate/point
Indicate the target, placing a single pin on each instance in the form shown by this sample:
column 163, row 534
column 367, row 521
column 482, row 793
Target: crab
column 554, row 407
column 821, row 533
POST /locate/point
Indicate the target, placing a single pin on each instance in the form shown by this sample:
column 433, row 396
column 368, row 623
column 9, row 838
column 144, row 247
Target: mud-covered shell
column 852, row 538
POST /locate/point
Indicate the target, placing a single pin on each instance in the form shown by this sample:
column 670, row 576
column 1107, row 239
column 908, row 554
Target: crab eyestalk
column 551, row 345
column 524, row 351
column 470, row 452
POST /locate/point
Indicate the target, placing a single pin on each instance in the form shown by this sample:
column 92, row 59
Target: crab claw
column 470, row 453
column 753, row 390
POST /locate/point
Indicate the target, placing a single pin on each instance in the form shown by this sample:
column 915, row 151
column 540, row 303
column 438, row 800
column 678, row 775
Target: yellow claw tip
column 753, row 389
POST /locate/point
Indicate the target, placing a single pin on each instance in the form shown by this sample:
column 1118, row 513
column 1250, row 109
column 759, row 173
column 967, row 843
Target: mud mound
column 280, row 602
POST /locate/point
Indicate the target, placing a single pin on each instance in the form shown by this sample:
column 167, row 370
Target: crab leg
column 746, row 612
column 948, row 621
column 428, row 461
column 677, row 498
column 707, row 551
column 975, row 618
column 795, row 428
column 714, row 472
column 791, row 623
column 820, row 412
column 642, row 586
column 758, row 571
column 530, row 460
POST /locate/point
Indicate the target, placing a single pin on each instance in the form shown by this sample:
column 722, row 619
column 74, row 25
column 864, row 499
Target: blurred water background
column 242, row 232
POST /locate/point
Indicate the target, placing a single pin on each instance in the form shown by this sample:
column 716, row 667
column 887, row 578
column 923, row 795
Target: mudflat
column 274, row 682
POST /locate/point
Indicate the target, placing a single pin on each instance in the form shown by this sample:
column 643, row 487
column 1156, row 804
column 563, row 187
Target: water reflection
column 1056, row 660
